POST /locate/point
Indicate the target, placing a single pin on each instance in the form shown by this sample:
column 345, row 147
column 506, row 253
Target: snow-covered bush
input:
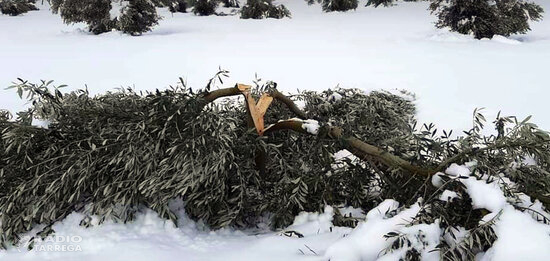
column 108, row 154
column 17, row 7
column 260, row 9
column 178, row 6
column 231, row 3
column 205, row 7
column 95, row 13
column 175, row 6
column 377, row 3
column 336, row 5
column 486, row 18
column 137, row 17
column 387, row 3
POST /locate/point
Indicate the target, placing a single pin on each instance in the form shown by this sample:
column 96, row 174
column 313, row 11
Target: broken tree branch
column 361, row 149
column 357, row 147
column 294, row 125
column 288, row 102
column 226, row 92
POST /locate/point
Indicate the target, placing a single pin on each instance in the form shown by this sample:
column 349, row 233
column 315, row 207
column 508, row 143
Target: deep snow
column 370, row 48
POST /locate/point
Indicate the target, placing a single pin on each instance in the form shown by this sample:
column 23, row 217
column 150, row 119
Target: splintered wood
column 256, row 110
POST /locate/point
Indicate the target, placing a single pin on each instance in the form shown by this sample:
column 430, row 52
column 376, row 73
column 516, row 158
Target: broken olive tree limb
column 225, row 92
column 288, row 102
column 357, row 147
column 240, row 89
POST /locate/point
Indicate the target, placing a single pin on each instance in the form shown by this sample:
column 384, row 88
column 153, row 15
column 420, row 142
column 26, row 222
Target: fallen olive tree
column 113, row 154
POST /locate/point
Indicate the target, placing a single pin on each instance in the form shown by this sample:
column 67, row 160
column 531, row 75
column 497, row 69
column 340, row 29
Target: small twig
column 315, row 253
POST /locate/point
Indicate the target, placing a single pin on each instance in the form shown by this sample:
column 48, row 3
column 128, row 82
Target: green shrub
column 205, row 7
column 336, row 5
column 137, row 17
column 260, row 9
column 95, row 13
column 377, row 3
column 17, row 7
column 486, row 18
column 231, row 3
column 178, row 6
column 174, row 6
column 387, row 3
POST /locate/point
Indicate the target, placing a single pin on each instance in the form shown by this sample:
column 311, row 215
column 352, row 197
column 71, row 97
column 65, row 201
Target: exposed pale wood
column 243, row 87
column 264, row 103
column 257, row 110
column 256, row 118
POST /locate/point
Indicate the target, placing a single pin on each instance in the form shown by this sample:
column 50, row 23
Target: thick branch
column 289, row 103
column 240, row 88
column 357, row 147
column 226, row 92
column 362, row 149
column 294, row 125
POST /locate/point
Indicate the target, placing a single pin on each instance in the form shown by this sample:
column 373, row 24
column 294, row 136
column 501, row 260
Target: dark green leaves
column 486, row 18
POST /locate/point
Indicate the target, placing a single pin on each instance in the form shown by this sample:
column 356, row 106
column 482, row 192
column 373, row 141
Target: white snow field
column 382, row 48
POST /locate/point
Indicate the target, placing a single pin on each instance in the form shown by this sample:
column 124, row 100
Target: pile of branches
column 112, row 155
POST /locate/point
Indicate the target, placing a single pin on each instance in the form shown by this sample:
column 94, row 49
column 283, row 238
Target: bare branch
column 294, row 125
column 226, row 92
column 355, row 146
column 288, row 102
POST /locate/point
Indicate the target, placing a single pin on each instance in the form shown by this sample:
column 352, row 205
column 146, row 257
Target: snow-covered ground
column 388, row 48
column 520, row 237
column 370, row 48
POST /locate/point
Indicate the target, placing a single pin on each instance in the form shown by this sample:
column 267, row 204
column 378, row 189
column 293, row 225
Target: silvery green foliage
column 486, row 18
column 137, row 17
column 95, row 13
column 336, row 5
column 205, row 7
column 17, row 7
column 127, row 150
column 377, row 3
column 178, row 6
column 260, row 9
column 113, row 154
column 387, row 3
column 175, row 6
column 231, row 3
